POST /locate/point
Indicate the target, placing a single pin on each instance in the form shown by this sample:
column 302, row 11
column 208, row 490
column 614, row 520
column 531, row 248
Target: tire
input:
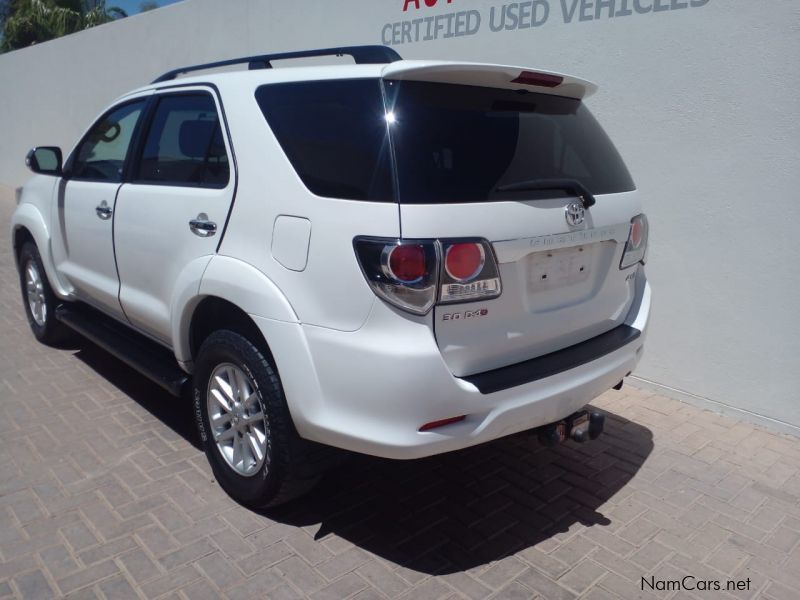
column 38, row 297
column 289, row 466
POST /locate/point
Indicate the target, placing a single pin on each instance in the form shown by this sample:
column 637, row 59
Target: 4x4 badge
column 575, row 213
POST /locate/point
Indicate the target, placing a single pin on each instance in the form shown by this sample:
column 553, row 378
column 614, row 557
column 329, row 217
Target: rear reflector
column 539, row 79
column 442, row 423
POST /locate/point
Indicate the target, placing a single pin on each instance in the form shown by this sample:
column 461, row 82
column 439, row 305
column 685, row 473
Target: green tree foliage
column 29, row 22
column 148, row 5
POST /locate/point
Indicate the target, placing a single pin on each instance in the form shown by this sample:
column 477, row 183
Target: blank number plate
column 559, row 268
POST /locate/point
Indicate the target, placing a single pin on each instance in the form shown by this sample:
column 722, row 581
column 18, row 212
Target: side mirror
column 45, row 160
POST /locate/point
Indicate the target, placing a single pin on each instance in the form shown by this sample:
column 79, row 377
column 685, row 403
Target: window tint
column 334, row 134
column 184, row 144
column 101, row 154
column 456, row 143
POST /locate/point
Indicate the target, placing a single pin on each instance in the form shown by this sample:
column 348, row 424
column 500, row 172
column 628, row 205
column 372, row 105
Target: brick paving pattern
column 105, row 494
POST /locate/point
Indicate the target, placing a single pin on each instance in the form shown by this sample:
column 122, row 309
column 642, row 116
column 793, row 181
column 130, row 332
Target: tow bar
column 581, row 426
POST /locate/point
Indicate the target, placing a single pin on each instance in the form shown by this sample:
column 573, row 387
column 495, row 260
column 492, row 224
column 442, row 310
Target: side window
column 184, row 145
column 334, row 133
column 101, row 155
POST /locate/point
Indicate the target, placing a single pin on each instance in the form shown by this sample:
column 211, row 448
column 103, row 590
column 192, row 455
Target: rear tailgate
column 458, row 148
column 560, row 287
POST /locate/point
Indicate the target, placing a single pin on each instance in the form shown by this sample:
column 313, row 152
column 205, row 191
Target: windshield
column 449, row 143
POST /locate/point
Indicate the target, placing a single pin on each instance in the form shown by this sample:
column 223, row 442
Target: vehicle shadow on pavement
column 175, row 413
column 446, row 513
column 460, row 510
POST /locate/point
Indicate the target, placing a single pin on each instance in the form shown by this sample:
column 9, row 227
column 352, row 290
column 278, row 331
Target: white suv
column 398, row 258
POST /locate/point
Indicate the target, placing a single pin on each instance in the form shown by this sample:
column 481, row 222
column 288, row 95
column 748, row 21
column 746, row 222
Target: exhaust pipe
column 581, row 427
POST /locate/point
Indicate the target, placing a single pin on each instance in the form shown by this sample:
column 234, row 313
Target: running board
column 150, row 359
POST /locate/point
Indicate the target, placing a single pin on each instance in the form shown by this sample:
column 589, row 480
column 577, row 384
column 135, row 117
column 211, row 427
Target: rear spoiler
column 489, row 75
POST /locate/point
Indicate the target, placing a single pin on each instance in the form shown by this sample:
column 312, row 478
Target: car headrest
column 195, row 136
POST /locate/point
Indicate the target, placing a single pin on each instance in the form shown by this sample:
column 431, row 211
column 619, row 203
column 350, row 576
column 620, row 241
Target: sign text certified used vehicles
column 398, row 258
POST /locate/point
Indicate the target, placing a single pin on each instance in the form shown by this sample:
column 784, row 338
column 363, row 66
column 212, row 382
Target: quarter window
column 334, row 134
column 184, row 145
column 102, row 153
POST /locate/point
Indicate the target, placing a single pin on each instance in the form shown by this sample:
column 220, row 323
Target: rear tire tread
column 295, row 465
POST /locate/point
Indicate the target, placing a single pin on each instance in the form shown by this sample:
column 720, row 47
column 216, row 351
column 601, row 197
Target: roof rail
column 363, row 55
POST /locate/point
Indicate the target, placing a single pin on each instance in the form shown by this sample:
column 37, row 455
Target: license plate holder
column 559, row 268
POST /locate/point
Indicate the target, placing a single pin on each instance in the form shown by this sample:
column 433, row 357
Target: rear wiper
column 569, row 185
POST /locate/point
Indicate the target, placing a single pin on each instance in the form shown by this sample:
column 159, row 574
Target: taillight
column 413, row 274
column 405, row 263
column 470, row 272
column 403, row 272
column 636, row 246
column 463, row 262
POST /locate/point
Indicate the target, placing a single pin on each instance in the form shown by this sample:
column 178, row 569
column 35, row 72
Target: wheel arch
column 225, row 290
column 20, row 235
column 213, row 313
column 28, row 224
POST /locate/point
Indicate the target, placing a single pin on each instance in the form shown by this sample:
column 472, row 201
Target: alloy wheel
column 237, row 419
column 34, row 288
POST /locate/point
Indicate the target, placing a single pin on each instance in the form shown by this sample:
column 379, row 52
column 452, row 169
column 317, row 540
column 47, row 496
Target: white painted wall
column 702, row 102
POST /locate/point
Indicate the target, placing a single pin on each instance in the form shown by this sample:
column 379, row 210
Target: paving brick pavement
column 105, row 494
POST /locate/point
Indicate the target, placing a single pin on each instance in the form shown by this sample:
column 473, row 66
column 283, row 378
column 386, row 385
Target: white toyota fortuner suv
column 398, row 258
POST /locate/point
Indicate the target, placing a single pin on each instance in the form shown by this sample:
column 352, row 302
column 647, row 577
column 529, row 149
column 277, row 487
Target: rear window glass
column 456, row 143
column 184, row 145
column 334, row 134
column 451, row 143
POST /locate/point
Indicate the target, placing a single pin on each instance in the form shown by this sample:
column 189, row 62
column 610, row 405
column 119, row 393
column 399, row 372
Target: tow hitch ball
column 581, row 426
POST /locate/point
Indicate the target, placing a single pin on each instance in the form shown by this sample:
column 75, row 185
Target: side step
column 149, row 358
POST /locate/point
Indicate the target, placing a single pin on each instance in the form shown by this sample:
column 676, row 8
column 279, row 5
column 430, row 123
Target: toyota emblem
column 575, row 213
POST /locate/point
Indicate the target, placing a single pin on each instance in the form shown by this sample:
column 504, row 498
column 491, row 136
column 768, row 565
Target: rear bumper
column 554, row 363
column 371, row 390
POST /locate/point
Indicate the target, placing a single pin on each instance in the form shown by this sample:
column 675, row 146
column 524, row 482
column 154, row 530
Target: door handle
column 202, row 227
column 103, row 210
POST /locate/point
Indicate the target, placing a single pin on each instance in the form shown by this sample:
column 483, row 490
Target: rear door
column 171, row 214
column 476, row 162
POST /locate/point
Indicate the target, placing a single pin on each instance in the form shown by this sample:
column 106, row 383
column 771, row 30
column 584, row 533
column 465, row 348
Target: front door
column 83, row 246
column 170, row 216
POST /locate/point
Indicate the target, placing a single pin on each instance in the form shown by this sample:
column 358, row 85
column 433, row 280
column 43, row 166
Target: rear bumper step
column 553, row 363
column 149, row 358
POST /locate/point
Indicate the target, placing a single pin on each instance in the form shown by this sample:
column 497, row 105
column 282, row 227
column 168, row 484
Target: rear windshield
column 456, row 143
column 451, row 143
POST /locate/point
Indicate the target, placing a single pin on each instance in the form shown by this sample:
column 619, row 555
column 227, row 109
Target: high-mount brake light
column 414, row 274
column 539, row 79
column 636, row 246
